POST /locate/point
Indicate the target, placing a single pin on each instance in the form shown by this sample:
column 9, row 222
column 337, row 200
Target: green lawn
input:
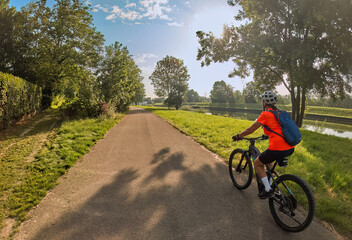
column 31, row 164
column 321, row 160
column 330, row 111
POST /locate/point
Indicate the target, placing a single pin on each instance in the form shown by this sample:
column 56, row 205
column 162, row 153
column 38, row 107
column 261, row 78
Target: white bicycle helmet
column 269, row 97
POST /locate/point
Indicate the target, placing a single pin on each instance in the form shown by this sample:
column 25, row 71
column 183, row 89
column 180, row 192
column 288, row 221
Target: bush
column 81, row 99
column 18, row 98
column 80, row 107
column 106, row 109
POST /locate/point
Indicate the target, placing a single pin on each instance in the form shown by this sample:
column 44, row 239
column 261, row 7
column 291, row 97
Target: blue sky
column 152, row 29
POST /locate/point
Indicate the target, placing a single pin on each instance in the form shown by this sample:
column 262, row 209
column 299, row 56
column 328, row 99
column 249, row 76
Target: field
column 321, row 160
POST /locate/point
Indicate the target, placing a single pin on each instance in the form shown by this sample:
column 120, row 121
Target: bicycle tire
column 291, row 210
column 241, row 169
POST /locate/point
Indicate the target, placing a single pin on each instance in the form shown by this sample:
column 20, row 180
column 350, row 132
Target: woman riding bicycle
column 278, row 148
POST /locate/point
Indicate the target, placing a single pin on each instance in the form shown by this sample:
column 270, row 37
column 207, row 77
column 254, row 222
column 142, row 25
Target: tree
column 53, row 44
column 221, row 93
column 251, row 93
column 7, row 21
column 170, row 79
column 305, row 45
column 192, row 96
column 118, row 76
column 140, row 94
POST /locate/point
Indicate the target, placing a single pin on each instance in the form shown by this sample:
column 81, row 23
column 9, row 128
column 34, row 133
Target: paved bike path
column 146, row 180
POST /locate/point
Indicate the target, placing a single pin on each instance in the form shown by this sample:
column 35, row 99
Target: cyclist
column 278, row 148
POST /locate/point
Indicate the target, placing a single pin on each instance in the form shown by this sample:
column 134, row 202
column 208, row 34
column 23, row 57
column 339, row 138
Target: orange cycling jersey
column 277, row 143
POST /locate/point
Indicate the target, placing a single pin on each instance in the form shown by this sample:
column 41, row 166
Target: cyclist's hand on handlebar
column 264, row 137
column 236, row 138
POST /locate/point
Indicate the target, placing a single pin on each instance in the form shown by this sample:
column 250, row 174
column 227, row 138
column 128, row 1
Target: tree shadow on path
column 173, row 201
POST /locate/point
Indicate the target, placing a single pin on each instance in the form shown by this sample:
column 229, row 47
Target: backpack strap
column 269, row 129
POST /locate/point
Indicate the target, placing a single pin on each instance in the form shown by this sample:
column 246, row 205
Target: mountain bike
column 293, row 204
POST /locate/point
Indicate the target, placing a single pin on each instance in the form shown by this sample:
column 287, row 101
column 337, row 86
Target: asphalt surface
column 146, row 180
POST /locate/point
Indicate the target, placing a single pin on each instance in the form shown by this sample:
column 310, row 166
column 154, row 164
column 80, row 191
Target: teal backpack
column 290, row 131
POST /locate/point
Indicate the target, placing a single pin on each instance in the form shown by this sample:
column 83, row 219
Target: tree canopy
column 170, row 80
column 140, row 94
column 60, row 49
column 192, row 96
column 118, row 76
column 251, row 94
column 305, row 45
column 222, row 93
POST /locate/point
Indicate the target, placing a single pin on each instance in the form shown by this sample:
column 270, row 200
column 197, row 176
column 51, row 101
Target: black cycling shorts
column 269, row 156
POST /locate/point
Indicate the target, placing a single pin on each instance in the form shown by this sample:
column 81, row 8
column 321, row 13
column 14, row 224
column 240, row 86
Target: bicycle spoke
column 288, row 213
column 240, row 170
column 283, row 205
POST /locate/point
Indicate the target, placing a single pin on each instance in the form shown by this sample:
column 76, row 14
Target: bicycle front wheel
column 293, row 205
column 241, row 169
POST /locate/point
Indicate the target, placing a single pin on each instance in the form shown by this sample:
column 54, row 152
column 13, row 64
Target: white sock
column 265, row 181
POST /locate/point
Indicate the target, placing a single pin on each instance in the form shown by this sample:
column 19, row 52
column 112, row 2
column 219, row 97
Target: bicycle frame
column 283, row 204
column 252, row 153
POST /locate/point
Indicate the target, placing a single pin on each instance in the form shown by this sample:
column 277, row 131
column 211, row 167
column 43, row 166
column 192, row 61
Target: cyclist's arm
column 251, row 129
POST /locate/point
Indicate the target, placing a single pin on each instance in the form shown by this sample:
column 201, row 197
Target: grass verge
column 322, row 161
column 32, row 164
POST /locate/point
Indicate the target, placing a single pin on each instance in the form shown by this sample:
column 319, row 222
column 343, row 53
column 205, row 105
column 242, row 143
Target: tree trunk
column 298, row 104
column 303, row 108
column 293, row 103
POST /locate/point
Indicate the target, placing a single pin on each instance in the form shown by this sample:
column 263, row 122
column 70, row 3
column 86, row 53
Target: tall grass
column 321, row 160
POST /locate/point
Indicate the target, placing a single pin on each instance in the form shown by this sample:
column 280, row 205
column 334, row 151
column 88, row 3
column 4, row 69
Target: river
column 315, row 126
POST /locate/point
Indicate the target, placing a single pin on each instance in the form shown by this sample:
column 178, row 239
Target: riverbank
column 321, row 160
column 322, row 114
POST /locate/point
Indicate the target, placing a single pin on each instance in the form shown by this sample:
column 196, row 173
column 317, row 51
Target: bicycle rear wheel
column 293, row 205
column 241, row 169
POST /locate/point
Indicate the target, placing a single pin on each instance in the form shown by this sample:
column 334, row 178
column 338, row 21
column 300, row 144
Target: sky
column 153, row 29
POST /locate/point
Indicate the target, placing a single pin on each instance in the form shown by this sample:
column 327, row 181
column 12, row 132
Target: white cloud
column 118, row 12
column 144, row 58
column 98, row 6
column 131, row 15
column 111, row 17
column 165, row 17
column 175, row 24
column 130, row 5
column 155, row 8
column 151, row 9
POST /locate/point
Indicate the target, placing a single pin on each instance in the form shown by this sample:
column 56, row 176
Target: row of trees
column 306, row 45
column 225, row 93
column 60, row 50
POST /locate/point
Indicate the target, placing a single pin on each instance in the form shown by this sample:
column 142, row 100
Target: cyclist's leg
column 259, row 167
column 265, row 157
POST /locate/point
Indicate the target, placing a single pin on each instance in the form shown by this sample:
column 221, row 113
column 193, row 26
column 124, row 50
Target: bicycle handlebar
column 263, row 137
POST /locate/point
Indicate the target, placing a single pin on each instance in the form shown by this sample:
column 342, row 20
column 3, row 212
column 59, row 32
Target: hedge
column 18, row 98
